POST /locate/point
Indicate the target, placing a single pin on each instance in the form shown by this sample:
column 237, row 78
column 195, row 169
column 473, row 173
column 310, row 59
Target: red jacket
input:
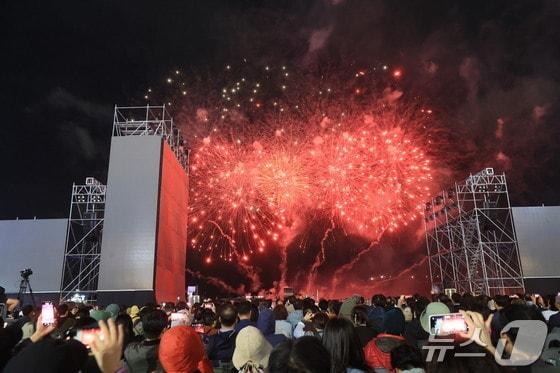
column 378, row 351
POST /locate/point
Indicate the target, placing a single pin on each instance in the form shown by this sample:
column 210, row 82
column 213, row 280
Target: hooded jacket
column 347, row 307
column 266, row 324
column 181, row 351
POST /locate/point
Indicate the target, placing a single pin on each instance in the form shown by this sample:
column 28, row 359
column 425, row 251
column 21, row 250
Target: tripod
column 23, row 286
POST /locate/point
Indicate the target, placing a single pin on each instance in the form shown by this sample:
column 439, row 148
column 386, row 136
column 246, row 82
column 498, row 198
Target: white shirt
column 548, row 313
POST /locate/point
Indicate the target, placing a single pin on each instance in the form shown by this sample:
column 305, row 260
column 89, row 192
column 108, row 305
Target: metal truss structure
column 150, row 120
column 82, row 254
column 470, row 237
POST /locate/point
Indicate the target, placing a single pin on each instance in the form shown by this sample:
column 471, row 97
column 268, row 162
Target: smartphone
column 199, row 328
column 47, row 312
column 448, row 323
column 87, row 336
column 178, row 318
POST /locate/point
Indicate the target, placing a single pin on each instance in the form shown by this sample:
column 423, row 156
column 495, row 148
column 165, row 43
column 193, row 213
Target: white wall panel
column 129, row 231
column 538, row 237
column 36, row 244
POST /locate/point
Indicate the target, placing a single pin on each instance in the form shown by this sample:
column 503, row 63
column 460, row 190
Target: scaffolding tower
column 470, row 238
column 150, row 120
column 82, row 254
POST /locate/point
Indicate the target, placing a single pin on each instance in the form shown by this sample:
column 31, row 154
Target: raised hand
column 107, row 346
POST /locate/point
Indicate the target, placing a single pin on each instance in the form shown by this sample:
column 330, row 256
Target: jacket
column 142, row 357
column 220, row 346
column 267, row 325
column 378, row 351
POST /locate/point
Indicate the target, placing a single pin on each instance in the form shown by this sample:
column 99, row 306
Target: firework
column 268, row 160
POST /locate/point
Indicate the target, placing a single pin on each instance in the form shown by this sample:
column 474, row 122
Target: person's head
column 280, row 312
column 50, row 355
column 405, row 357
column 360, row 316
column 265, row 303
column 305, row 355
column 501, row 301
column 251, row 348
column 9, row 338
column 308, row 303
column 379, row 300
column 297, row 303
column 456, row 298
column 323, row 305
column 244, row 310
column 62, row 310
column 444, row 298
column 393, row 322
column 29, row 311
column 82, row 311
column 418, row 306
column 208, row 317
column 515, row 312
column 181, row 350
column 153, row 323
column 320, row 320
column 182, row 305
column 254, row 312
column 126, row 321
column 228, row 315
column 550, row 302
column 168, row 307
column 342, row 342
column 333, row 308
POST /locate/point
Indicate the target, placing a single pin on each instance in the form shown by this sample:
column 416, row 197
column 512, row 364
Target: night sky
column 489, row 68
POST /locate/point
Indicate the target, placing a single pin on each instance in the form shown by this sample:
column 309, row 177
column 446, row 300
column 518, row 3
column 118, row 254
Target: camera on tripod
column 26, row 273
column 24, row 285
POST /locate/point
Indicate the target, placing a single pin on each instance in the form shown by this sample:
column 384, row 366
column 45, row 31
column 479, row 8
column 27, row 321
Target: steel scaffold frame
column 150, row 120
column 82, row 253
column 470, row 237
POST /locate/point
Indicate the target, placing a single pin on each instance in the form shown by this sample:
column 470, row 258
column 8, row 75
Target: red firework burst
column 268, row 155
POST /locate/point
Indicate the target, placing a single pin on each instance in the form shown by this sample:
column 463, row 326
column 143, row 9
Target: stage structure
column 150, row 121
column 80, row 269
column 145, row 231
column 470, row 237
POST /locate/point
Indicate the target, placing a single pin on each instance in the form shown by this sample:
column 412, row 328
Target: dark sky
column 66, row 64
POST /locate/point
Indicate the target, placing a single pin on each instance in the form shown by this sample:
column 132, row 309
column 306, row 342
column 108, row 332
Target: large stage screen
column 36, row 244
column 538, row 236
column 145, row 228
column 129, row 230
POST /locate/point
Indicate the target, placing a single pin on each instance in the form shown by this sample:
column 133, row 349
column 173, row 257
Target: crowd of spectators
column 296, row 334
